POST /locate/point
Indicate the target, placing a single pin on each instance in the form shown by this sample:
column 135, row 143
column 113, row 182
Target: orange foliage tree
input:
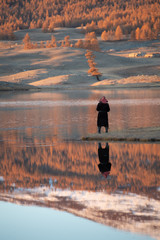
column 97, row 16
column 27, row 42
column 118, row 33
column 93, row 71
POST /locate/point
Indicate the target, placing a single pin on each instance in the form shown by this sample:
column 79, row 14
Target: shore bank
column 9, row 86
column 128, row 135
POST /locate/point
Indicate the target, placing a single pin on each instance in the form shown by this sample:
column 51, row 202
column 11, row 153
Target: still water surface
column 40, row 142
column 72, row 114
column 50, row 224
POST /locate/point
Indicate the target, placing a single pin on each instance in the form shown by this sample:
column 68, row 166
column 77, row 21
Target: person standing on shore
column 103, row 109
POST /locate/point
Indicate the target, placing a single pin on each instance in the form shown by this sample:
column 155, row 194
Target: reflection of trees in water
column 135, row 167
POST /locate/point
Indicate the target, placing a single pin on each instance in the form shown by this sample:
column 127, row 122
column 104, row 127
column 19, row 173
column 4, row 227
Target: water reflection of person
column 103, row 109
column 104, row 165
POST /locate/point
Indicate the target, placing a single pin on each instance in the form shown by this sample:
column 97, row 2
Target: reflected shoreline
column 121, row 211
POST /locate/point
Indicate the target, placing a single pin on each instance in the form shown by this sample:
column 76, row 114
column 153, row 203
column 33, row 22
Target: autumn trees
column 90, row 42
column 27, row 42
column 106, row 17
column 145, row 33
column 6, row 34
column 112, row 35
column 93, row 71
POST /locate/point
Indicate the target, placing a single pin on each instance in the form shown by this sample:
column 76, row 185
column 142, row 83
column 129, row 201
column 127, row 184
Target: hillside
column 135, row 19
column 66, row 67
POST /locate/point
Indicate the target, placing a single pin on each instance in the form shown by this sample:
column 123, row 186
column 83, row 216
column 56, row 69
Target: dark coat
column 103, row 109
column 103, row 154
column 104, row 167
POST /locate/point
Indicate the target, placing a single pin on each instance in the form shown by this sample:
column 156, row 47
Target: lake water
column 41, row 147
column 71, row 115
column 50, row 224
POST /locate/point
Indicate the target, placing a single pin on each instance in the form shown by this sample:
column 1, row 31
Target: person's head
column 106, row 174
column 103, row 100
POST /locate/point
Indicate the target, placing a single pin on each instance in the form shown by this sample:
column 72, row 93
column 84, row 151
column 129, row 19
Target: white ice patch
column 1, row 179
